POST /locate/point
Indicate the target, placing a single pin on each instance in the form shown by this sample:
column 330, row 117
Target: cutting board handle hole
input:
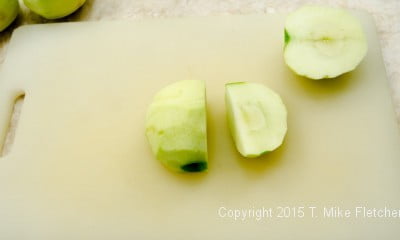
column 12, row 125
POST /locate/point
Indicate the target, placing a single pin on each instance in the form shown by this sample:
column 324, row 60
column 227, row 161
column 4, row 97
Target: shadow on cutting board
column 326, row 88
column 261, row 165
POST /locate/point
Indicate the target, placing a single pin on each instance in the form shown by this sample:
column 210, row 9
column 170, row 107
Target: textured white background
column 385, row 12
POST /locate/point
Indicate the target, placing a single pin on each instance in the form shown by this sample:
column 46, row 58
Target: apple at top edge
column 323, row 42
column 8, row 12
column 53, row 9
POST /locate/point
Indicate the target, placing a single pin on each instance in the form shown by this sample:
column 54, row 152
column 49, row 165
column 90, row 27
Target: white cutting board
column 81, row 167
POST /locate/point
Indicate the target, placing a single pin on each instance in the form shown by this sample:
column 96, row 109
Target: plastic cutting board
column 81, row 167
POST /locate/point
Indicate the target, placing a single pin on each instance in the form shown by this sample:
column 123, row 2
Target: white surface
column 81, row 168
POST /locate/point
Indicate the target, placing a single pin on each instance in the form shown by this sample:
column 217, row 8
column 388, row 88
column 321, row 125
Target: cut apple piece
column 322, row 42
column 257, row 118
column 176, row 126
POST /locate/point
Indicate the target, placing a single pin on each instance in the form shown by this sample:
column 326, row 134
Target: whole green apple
column 53, row 9
column 8, row 12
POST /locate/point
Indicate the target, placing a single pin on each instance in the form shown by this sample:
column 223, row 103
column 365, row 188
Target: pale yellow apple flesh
column 257, row 118
column 322, row 42
column 176, row 126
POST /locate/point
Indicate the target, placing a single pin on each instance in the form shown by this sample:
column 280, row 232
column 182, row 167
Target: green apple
column 176, row 126
column 53, row 9
column 322, row 42
column 8, row 12
column 257, row 118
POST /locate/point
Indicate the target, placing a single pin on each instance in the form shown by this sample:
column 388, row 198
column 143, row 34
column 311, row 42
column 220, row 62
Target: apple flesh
column 176, row 126
column 53, row 9
column 257, row 118
column 8, row 12
column 322, row 42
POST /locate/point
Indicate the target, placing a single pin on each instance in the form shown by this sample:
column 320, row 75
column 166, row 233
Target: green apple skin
column 176, row 126
column 287, row 38
column 53, row 9
column 8, row 12
column 323, row 42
